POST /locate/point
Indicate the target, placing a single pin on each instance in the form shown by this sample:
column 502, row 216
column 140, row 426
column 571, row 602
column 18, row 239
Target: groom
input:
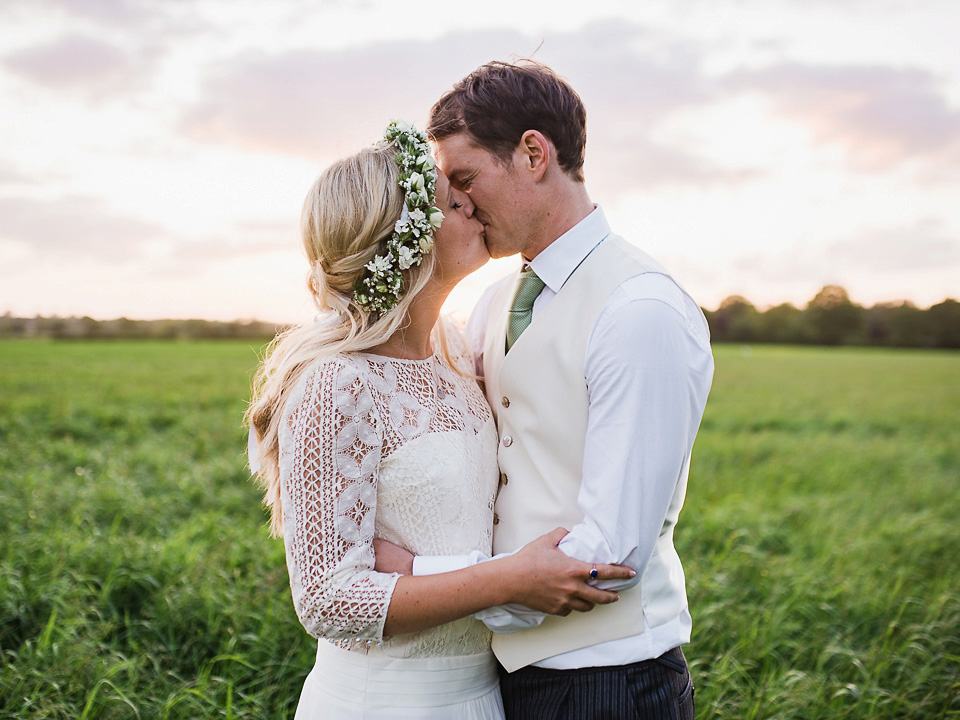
column 598, row 365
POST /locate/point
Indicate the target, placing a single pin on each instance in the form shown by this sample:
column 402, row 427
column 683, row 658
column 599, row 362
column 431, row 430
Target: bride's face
column 459, row 242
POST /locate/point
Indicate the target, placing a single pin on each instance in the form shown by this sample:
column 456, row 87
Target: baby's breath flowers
column 381, row 286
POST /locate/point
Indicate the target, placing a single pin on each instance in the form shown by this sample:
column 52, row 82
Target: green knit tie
column 521, row 311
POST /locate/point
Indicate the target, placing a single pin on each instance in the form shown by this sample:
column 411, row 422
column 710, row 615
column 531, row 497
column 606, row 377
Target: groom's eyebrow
column 458, row 177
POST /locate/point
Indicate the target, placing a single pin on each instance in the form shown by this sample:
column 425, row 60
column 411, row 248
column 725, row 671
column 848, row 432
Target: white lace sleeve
column 330, row 454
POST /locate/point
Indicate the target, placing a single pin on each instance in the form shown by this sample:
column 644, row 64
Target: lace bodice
column 404, row 450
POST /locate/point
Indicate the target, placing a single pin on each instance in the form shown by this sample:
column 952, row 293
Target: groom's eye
column 461, row 183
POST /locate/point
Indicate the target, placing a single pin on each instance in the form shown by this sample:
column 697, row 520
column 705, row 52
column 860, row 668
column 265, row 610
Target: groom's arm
column 648, row 370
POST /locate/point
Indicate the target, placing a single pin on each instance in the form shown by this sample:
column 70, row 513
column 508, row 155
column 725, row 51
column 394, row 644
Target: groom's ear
column 535, row 151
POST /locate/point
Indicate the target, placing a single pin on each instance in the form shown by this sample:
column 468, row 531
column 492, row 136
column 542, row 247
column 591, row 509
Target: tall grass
column 137, row 579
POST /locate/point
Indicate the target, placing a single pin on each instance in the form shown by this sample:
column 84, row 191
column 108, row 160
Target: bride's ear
column 535, row 151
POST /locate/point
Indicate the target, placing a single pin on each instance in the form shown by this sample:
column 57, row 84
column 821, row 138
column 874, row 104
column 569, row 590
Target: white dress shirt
column 648, row 370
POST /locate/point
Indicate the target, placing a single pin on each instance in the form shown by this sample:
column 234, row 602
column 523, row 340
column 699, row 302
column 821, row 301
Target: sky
column 156, row 153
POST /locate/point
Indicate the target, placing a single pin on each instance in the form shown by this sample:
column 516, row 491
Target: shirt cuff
column 436, row 564
column 509, row 618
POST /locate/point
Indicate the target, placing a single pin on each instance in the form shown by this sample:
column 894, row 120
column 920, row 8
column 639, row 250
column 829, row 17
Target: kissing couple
column 479, row 521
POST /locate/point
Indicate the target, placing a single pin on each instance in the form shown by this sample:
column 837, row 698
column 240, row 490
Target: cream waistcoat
column 539, row 395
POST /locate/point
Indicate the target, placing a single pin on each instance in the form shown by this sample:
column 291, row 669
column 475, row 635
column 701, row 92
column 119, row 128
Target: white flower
column 380, row 265
column 405, row 257
column 380, row 290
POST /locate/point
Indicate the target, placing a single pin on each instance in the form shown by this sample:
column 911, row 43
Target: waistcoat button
column 503, row 478
column 507, row 441
column 496, row 519
column 505, row 401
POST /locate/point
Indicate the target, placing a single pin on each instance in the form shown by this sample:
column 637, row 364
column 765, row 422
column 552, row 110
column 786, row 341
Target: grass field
column 820, row 537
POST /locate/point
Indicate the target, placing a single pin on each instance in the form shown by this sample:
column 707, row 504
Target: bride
column 370, row 425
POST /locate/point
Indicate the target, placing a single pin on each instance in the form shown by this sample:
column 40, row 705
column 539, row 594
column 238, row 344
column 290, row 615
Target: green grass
column 819, row 539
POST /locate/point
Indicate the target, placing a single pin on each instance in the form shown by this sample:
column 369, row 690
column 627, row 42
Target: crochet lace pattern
column 369, row 449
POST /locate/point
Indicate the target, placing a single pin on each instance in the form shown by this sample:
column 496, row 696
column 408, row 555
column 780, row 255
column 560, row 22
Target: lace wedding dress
column 403, row 450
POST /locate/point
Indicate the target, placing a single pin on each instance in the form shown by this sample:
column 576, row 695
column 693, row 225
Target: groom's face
column 494, row 186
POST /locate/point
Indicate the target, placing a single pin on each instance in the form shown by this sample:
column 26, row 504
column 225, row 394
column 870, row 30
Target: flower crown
column 381, row 286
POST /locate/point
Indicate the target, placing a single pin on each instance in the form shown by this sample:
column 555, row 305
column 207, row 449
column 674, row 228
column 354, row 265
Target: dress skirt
column 346, row 684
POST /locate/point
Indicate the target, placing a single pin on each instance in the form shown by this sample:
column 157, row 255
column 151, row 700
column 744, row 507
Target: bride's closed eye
column 456, row 205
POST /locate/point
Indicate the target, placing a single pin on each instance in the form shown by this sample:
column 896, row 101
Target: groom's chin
column 495, row 252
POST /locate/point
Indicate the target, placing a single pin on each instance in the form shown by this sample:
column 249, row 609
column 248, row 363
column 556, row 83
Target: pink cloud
column 74, row 227
column 882, row 115
column 322, row 104
column 83, row 63
column 925, row 245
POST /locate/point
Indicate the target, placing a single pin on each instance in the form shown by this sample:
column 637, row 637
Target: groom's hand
column 392, row 558
column 554, row 583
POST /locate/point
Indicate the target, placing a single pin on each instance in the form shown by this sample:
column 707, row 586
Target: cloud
column 84, row 227
column 245, row 239
column 322, row 104
column 83, row 63
column 319, row 103
column 122, row 14
column 627, row 72
column 634, row 162
column 882, row 115
column 11, row 175
column 75, row 227
column 925, row 245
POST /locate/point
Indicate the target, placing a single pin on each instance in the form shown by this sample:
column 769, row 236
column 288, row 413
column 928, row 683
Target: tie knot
column 528, row 289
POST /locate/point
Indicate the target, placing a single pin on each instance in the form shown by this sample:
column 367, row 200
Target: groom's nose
column 468, row 207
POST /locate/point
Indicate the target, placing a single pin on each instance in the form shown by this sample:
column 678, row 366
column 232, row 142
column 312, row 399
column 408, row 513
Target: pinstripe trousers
column 657, row 689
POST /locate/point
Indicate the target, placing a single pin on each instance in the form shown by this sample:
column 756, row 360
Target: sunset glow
column 156, row 154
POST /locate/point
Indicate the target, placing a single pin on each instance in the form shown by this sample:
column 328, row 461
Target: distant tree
column 783, row 323
column 908, row 326
column 736, row 320
column 943, row 323
column 834, row 319
column 900, row 324
column 878, row 324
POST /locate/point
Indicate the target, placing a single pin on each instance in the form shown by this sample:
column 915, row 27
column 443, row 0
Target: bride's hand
column 544, row 578
column 392, row 558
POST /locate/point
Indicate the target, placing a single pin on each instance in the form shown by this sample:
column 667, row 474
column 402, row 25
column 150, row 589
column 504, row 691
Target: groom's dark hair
column 498, row 102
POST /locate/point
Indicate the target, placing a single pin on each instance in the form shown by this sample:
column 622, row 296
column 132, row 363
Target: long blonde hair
column 348, row 215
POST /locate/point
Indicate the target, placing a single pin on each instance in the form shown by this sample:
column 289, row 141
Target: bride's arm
column 329, row 460
column 538, row 576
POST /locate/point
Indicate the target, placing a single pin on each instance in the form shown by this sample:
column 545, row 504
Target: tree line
column 87, row 328
column 830, row 318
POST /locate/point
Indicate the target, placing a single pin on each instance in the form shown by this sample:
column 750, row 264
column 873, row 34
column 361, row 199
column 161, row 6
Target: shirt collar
column 559, row 259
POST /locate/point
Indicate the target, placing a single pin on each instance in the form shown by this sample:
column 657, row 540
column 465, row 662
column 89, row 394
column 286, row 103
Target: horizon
column 459, row 312
column 159, row 154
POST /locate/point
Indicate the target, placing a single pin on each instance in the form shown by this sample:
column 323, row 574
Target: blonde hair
column 348, row 215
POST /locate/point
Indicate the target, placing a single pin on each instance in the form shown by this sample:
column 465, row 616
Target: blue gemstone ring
column 593, row 573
